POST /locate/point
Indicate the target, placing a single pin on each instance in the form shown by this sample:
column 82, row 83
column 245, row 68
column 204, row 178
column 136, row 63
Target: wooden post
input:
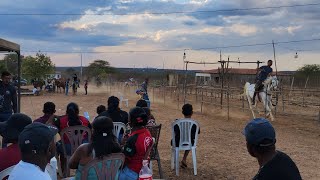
column 290, row 90
column 303, row 93
column 201, row 98
column 164, row 95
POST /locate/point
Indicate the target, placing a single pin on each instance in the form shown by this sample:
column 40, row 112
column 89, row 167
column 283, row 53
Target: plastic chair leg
column 177, row 161
column 127, row 103
column 194, row 161
column 160, row 168
column 172, row 159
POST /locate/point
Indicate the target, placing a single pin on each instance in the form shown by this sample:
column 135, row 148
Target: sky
column 155, row 33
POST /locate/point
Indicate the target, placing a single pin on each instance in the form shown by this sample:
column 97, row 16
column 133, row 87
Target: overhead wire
column 174, row 50
column 159, row 13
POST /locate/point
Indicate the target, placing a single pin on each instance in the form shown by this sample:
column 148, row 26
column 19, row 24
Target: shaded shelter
column 7, row 46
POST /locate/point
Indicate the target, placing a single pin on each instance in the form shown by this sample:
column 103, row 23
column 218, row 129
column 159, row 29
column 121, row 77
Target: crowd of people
column 29, row 145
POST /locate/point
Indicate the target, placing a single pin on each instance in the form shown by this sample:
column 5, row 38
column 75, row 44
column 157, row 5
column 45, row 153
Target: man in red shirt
column 10, row 130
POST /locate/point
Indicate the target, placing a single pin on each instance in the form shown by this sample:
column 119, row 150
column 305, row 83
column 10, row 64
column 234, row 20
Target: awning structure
column 7, row 46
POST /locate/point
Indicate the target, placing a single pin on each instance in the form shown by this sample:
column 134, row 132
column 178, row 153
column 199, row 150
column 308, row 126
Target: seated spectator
column 36, row 143
column 137, row 144
column 49, row 108
column 35, row 91
column 71, row 118
column 187, row 111
column 261, row 140
column 114, row 111
column 10, row 130
column 103, row 143
column 151, row 119
column 142, row 103
column 101, row 109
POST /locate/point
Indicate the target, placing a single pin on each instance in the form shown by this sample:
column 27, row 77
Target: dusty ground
column 221, row 151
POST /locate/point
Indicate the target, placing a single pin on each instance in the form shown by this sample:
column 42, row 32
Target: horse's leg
column 250, row 105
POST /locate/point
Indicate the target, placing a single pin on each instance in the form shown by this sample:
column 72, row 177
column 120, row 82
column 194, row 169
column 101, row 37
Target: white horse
column 269, row 85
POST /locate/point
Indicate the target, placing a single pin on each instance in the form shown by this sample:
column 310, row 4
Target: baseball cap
column 11, row 128
column 258, row 130
column 36, row 137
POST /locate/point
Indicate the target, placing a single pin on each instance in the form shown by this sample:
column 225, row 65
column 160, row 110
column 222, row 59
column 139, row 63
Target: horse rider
column 262, row 75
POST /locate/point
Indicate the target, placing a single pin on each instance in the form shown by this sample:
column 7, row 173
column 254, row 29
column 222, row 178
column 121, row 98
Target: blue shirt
column 265, row 71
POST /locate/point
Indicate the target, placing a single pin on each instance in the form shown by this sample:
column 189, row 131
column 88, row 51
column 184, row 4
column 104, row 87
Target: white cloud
column 290, row 29
column 243, row 29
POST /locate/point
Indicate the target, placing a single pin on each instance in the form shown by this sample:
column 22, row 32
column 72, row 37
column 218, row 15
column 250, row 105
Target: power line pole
column 81, row 67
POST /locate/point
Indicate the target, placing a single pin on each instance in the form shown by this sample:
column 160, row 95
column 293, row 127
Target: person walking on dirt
column 262, row 75
column 144, row 89
column 86, row 86
column 67, row 86
column 261, row 140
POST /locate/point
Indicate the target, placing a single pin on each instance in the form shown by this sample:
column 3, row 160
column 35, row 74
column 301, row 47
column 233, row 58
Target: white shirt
column 34, row 90
column 27, row 171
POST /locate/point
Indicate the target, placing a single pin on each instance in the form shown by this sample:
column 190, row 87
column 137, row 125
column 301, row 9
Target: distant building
column 56, row 75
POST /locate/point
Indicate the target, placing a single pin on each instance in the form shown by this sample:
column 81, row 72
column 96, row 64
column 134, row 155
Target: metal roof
column 8, row 46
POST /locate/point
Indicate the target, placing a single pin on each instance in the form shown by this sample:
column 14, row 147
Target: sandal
column 183, row 164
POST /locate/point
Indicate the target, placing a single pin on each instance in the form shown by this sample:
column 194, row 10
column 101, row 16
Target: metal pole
column 19, row 82
column 185, row 84
column 81, row 67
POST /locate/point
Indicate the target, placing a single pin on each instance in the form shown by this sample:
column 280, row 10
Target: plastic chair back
column 117, row 126
column 5, row 173
column 107, row 168
column 185, row 127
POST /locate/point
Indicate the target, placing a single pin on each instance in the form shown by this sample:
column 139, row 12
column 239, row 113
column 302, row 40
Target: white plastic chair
column 117, row 126
column 6, row 172
column 185, row 126
column 122, row 99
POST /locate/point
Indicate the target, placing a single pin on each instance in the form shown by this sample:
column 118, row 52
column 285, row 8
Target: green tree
column 37, row 67
column 10, row 62
column 309, row 70
column 99, row 68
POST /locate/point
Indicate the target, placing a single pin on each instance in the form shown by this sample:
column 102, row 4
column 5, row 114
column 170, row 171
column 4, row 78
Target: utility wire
column 159, row 13
column 178, row 50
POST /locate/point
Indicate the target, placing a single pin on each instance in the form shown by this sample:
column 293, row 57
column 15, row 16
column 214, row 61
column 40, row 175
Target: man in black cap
column 10, row 131
column 37, row 147
column 274, row 165
column 8, row 97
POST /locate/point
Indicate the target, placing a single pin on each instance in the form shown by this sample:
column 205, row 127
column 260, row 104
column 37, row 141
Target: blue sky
column 140, row 31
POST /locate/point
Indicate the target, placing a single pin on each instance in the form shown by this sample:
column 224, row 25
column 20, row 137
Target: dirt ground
column 221, row 151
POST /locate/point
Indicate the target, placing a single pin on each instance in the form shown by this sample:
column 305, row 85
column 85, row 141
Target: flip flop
column 183, row 164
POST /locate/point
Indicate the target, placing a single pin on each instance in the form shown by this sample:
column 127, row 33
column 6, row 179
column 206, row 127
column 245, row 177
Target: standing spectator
column 37, row 147
column 261, row 140
column 144, row 89
column 104, row 142
column 10, row 130
column 71, row 118
column 137, row 144
column 86, row 86
column 187, row 111
column 8, row 97
column 67, row 86
column 49, row 108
